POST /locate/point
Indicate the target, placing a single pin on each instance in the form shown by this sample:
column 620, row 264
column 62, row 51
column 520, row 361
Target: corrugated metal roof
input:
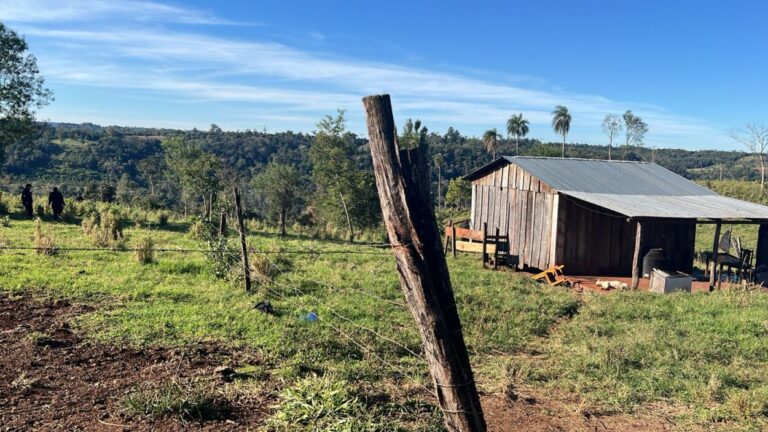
column 635, row 189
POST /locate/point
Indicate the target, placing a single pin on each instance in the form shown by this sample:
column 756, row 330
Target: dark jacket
column 26, row 198
column 56, row 200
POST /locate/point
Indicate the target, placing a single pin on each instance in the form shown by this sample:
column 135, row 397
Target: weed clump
column 106, row 231
column 145, row 250
column 43, row 242
column 193, row 403
column 321, row 403
column 266, row 265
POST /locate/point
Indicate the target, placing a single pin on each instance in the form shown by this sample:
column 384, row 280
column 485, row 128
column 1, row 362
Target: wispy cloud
column 92, row 10
column 298, row 84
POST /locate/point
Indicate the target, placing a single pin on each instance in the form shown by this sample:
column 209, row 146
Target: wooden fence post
column 410, row 221
column 243, row 244
column 496, row 251
column 453, row 240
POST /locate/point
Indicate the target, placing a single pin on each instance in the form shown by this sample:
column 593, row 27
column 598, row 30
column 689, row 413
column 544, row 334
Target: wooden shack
column 599, row 217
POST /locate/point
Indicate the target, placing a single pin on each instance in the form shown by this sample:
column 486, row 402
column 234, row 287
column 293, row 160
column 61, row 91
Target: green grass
column 703, row 354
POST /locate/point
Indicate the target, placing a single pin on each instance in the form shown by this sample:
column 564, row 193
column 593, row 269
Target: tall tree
column 22, row 89
column 634, row 131
column 611, row 128
column 344, row 193
column 279, row 185
column 517, row 127
column 754, row 137
column 438, row 159
column 491, row 141
column 561, row 123
column 198, row 172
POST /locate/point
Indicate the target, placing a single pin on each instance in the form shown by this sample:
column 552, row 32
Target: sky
column 693, row 70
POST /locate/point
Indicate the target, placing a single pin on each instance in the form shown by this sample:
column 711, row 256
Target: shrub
column 203, row 230
column 145, row 250
column 5, row 221
column 39, row 210
column 89, row 223
column 265, row 266
column 107, row 232
column 162, row 219
column 193, row 403
column 221, row 255
column 43, row 243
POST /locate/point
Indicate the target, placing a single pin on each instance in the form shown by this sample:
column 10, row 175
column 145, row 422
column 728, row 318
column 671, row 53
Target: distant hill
column 75, row 156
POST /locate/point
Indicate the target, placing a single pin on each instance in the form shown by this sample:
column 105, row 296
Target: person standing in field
column 56, row 201
column 27, row 200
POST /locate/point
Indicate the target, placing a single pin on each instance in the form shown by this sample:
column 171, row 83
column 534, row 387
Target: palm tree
column 518, row 128
column 561, row 122
column 438, row 159
column 491, row 141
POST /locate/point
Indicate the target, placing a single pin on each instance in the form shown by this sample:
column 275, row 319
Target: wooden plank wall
column 595, row 241
column 520, row 206
column 598, row 242
column 588, row 240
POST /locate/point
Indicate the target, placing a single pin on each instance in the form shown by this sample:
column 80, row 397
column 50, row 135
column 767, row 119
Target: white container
column 665, row 283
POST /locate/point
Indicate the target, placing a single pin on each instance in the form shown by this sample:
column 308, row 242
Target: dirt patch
column 541, row 413
column 53, row 379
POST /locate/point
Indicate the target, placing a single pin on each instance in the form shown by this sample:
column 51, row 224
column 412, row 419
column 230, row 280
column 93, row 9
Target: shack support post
column 403, row 190
column 496, row 251
column 485, row 243
column 637, row 257
column 761, row 252
column 243, row 244
column 713, row 274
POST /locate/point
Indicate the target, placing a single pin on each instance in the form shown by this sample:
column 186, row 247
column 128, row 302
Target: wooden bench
column 492, row 247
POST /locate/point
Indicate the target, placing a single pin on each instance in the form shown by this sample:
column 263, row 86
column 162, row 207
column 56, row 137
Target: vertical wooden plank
column 473, row 207
column 637, row 255
column 505, row 176
column 555, row 198
column 535, row 230
column 713, row 275
column 761, row 251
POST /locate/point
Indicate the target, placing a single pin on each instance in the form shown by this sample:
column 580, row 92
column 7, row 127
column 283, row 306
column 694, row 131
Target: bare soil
column 53, row 379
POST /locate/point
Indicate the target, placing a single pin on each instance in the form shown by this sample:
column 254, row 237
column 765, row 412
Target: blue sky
column 692, row 69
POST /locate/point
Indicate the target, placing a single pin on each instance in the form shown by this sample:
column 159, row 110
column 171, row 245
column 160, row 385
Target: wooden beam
column 637, row 258
column 713, row 275
column 761, row 252
column 403, row 188
column 553, row 231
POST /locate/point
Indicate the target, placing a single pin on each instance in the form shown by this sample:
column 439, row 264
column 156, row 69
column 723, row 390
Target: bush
column 145, row 250
column 89, row 223
column 266, row 266
column 162, row 219
column 203, row 230
column 221, row 255
column 39, row 211
column 107, row 232
column 43, row 243
column 5, row 221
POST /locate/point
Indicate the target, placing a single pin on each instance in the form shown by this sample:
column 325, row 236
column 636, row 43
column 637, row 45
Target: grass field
column 698, row 359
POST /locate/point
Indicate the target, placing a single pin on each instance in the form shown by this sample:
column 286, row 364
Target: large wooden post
column 410, row 221
column 713, row 274
column 637, row 257
column 761, row 252
column 243, row 244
